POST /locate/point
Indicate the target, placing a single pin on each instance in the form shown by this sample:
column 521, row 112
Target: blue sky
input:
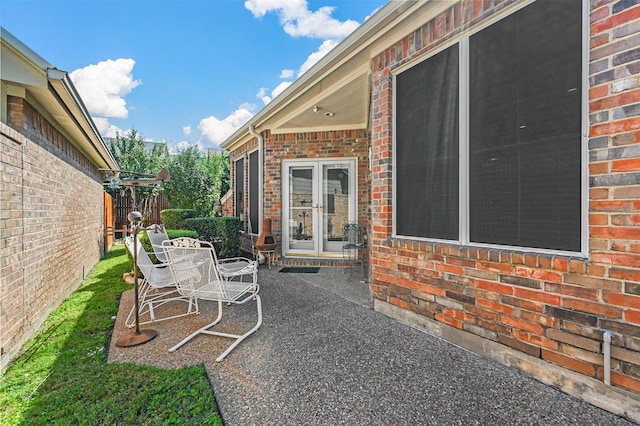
column 189, row 71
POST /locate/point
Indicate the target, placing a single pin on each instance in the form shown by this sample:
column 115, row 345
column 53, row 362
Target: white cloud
column 324, row 48
column 217, row 131
column 102, row 87
column 186, row 130
column 262, row 95
column 298, row 21
column 181, row 146
column 286, row 73
column 280, row 88
column 107, row 129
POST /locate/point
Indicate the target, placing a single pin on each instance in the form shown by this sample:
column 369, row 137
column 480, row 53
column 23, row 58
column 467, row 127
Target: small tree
column 134, row 159
column 197, row 180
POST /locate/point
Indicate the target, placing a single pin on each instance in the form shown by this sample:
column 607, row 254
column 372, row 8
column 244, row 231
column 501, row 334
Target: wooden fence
column 118, row 206
column 109, row 222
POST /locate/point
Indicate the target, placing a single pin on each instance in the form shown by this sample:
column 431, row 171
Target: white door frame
column 316, row 247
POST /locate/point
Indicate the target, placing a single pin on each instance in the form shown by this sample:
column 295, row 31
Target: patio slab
column 323, row 356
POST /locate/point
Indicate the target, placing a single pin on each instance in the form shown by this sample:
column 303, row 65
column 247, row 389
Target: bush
column 174, row 218
column 205, row 227
column 223, row 232
column 228, row 230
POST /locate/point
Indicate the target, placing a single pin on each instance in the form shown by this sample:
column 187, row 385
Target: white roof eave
column 354, row 43
column 61, row 90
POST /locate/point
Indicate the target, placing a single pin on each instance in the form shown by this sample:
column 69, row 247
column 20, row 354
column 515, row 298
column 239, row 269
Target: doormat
column 300, row 269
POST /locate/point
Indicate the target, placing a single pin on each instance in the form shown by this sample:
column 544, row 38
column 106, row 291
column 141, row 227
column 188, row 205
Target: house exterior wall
column 545, row 307
column 309, row 145
column 51, row 223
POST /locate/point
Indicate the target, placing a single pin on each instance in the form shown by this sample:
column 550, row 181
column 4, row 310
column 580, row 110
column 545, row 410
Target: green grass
column 62, row 377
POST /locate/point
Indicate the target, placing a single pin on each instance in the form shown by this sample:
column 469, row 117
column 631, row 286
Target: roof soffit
column 337, row 90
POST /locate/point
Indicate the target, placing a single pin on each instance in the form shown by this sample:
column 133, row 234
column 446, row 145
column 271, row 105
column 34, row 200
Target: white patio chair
column 197, row 274
column 238, row 268
column 235, row 268
column 157, row 235
column 157, row 288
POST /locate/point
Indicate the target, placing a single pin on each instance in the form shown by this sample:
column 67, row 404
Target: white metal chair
column 235, row 268
column 157, row 235
column 158, row 287
column 198, row 276
column 238, row 268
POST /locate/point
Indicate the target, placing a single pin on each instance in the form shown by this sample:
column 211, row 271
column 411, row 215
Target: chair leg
column 149, row 302
column 237, row 337
column 200, row 330
column 245, row 335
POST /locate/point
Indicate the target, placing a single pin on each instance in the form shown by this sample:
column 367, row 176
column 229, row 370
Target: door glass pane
column 301, row 208
column 336, row 204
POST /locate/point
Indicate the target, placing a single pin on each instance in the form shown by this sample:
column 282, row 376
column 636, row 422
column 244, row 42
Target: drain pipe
column 606, row 349
column 253, row 132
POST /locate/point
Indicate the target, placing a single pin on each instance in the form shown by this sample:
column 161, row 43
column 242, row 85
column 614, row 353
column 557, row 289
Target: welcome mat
column 300, row 269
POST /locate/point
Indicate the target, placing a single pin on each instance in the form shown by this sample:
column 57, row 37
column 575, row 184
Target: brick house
column 51, row 194
column 492, row 149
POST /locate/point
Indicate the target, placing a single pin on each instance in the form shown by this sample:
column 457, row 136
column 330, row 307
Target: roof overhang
column 51, row 91
column 340, row 82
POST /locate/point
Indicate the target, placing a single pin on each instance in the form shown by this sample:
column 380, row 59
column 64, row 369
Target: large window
column 521, row 127
column 253, row 192
column 239, row 187
column 427, row 154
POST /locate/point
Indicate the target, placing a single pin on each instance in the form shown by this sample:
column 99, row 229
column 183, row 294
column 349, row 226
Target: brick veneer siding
column 308, row 145
column 550, row 307
column 51, row 223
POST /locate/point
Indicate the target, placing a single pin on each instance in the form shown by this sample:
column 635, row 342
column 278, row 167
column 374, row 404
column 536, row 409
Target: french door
column 319, row 197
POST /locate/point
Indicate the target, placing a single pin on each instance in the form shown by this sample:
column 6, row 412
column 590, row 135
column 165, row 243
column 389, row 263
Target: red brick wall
column 311, row 145
column 550, row 307
column 51, row 220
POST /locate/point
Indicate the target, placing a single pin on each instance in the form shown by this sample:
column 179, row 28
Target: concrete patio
column 323, row 356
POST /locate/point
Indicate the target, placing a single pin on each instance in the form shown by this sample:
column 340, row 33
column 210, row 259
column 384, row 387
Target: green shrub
column 205, row 227
column 174, row 218
column 223, row 232
column 228, row 230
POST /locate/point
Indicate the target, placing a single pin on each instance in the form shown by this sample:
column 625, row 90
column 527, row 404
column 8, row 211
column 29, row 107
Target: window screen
column 239, row 187
column 253, row 192
column 524, row 133
column 427, row 148
column 524, row 184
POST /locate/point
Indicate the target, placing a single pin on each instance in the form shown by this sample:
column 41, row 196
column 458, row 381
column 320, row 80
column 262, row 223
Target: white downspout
column 606, row 349
column 253, row 132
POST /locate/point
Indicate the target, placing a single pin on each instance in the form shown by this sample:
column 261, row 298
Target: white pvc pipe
column 606, row 349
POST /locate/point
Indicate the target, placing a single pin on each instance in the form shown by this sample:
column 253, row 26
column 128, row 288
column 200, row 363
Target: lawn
column 62, row 376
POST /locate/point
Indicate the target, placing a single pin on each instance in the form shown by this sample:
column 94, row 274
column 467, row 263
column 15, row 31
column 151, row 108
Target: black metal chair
column 354, row 241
